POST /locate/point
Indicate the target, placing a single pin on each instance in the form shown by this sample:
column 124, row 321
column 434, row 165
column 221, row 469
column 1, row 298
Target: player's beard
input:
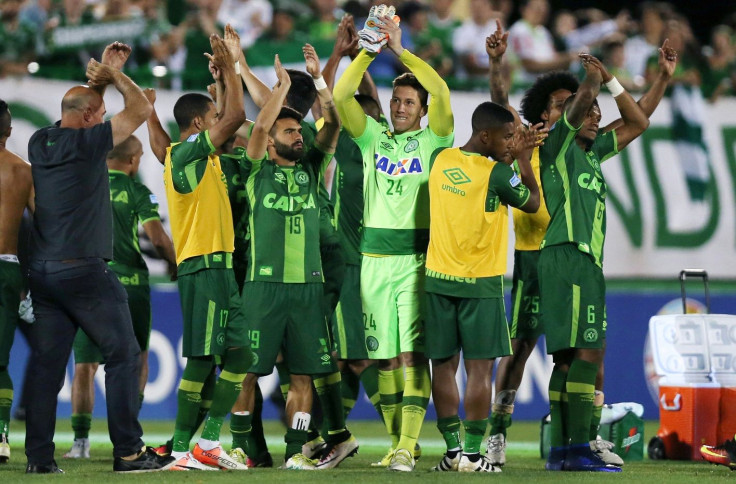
column 287, row 151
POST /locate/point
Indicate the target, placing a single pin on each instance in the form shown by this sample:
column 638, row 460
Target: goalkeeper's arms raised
column 441, row 121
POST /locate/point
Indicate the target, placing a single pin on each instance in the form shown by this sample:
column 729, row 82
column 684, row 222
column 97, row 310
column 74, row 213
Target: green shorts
column 348, row 328
column 288, row 317
column 572, row 299
column 525, row 323
column 392, row 292
column 212, row 311
column 139, row 304
column 477, row 326
column 11, row 285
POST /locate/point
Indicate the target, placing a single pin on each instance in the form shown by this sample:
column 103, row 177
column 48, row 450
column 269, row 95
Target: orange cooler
column 688, row 418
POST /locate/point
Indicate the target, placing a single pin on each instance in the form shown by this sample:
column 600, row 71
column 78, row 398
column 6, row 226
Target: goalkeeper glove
column 371, row 38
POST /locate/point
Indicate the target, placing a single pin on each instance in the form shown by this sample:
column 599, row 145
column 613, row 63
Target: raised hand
column 371, row 37
column 497, row 42
column 150, row 95
column 212, row 91
column 100, row 74
column 667, row 59
column 284, row 81
column 220, row 58
column 526, row 138
column 232, row 40
column 347, row 40
column 312, row 61
column 116, row 54
column 390, row 28
column 593, row 67
column 215, row 71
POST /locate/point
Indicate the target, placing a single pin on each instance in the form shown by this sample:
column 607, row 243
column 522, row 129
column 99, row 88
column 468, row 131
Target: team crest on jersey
column 412, row 145
column 301, row 178
column 279, row 177
column 406, row 166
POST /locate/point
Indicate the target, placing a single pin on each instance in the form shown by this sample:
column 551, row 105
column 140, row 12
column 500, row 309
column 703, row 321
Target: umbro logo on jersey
column 279, row 177
column 386, row 146
column 407, row 166
column 456, row 176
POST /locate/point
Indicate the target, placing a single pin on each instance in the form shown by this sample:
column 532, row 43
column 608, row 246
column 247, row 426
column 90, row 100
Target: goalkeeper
column 396, row 223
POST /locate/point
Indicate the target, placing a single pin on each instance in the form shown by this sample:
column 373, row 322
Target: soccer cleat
column 300, row 462
column 217, row 457
column 147, row 461
column 238, row 455
column 482, row 464
column 417, row 451
column 336, row 453
column 581, row 458
column 496, row 449
column 604, row 450
column 261, row 460
column 402, row 461
column 449, row 461
column 385, row 460
column 314, row 448
column 189, row 463
column 4, row 449
column 79, row 450
column 556, row 459
column 724, row 454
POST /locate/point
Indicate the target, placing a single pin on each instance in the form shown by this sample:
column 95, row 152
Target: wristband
column 237, row 67
column 320, row 83
column 615, row 87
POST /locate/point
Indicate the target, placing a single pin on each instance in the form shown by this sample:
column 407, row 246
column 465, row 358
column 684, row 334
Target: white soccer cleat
column 300, row 462
column 238, row 455
column 4, row 449
column 79, row 450
column 313, row 448
column 334, row 454
column 483, row 464
column 496, row 449
column 604, row 450
column 189, row 463
column 448, row 464
column 217, row 457
column 402, row 461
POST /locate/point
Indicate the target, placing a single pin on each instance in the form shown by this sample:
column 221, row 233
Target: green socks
column 6, row 400
column 369, row 378
column 595, row 420
column 449, row 427
column 350, row 389
column 189, row 400
column 557, row 408
column 580, row 388
column 329, row 393
column 227, row 389
column 391, row 386
column 81, row 423
column 475, row 430
column 414, row 405
column 241, row 425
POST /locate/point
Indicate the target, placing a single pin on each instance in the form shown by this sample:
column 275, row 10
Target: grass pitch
column 523, row 462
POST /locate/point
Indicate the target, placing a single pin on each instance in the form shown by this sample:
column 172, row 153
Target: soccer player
column 396, row 229
column 284, row 282
column 571, row 284
column 71, row 283
column 202, row 228
column 16, row 187
column 466, row 261
column 132, row 204
column 542, row 103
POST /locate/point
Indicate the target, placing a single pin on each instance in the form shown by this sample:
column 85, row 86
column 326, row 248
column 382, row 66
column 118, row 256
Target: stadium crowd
column 54, row 38
column 370, row 283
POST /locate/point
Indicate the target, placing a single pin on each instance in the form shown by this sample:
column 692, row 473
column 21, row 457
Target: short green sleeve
column 505, row 186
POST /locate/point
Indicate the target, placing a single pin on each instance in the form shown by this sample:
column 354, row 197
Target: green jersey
column 395, row 188
column 230, row 164
column 347, row 192
column 574, row 188
column 284, row 219
column 132, row 204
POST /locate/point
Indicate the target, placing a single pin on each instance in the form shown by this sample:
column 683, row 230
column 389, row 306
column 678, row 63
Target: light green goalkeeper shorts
column 392, row 291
